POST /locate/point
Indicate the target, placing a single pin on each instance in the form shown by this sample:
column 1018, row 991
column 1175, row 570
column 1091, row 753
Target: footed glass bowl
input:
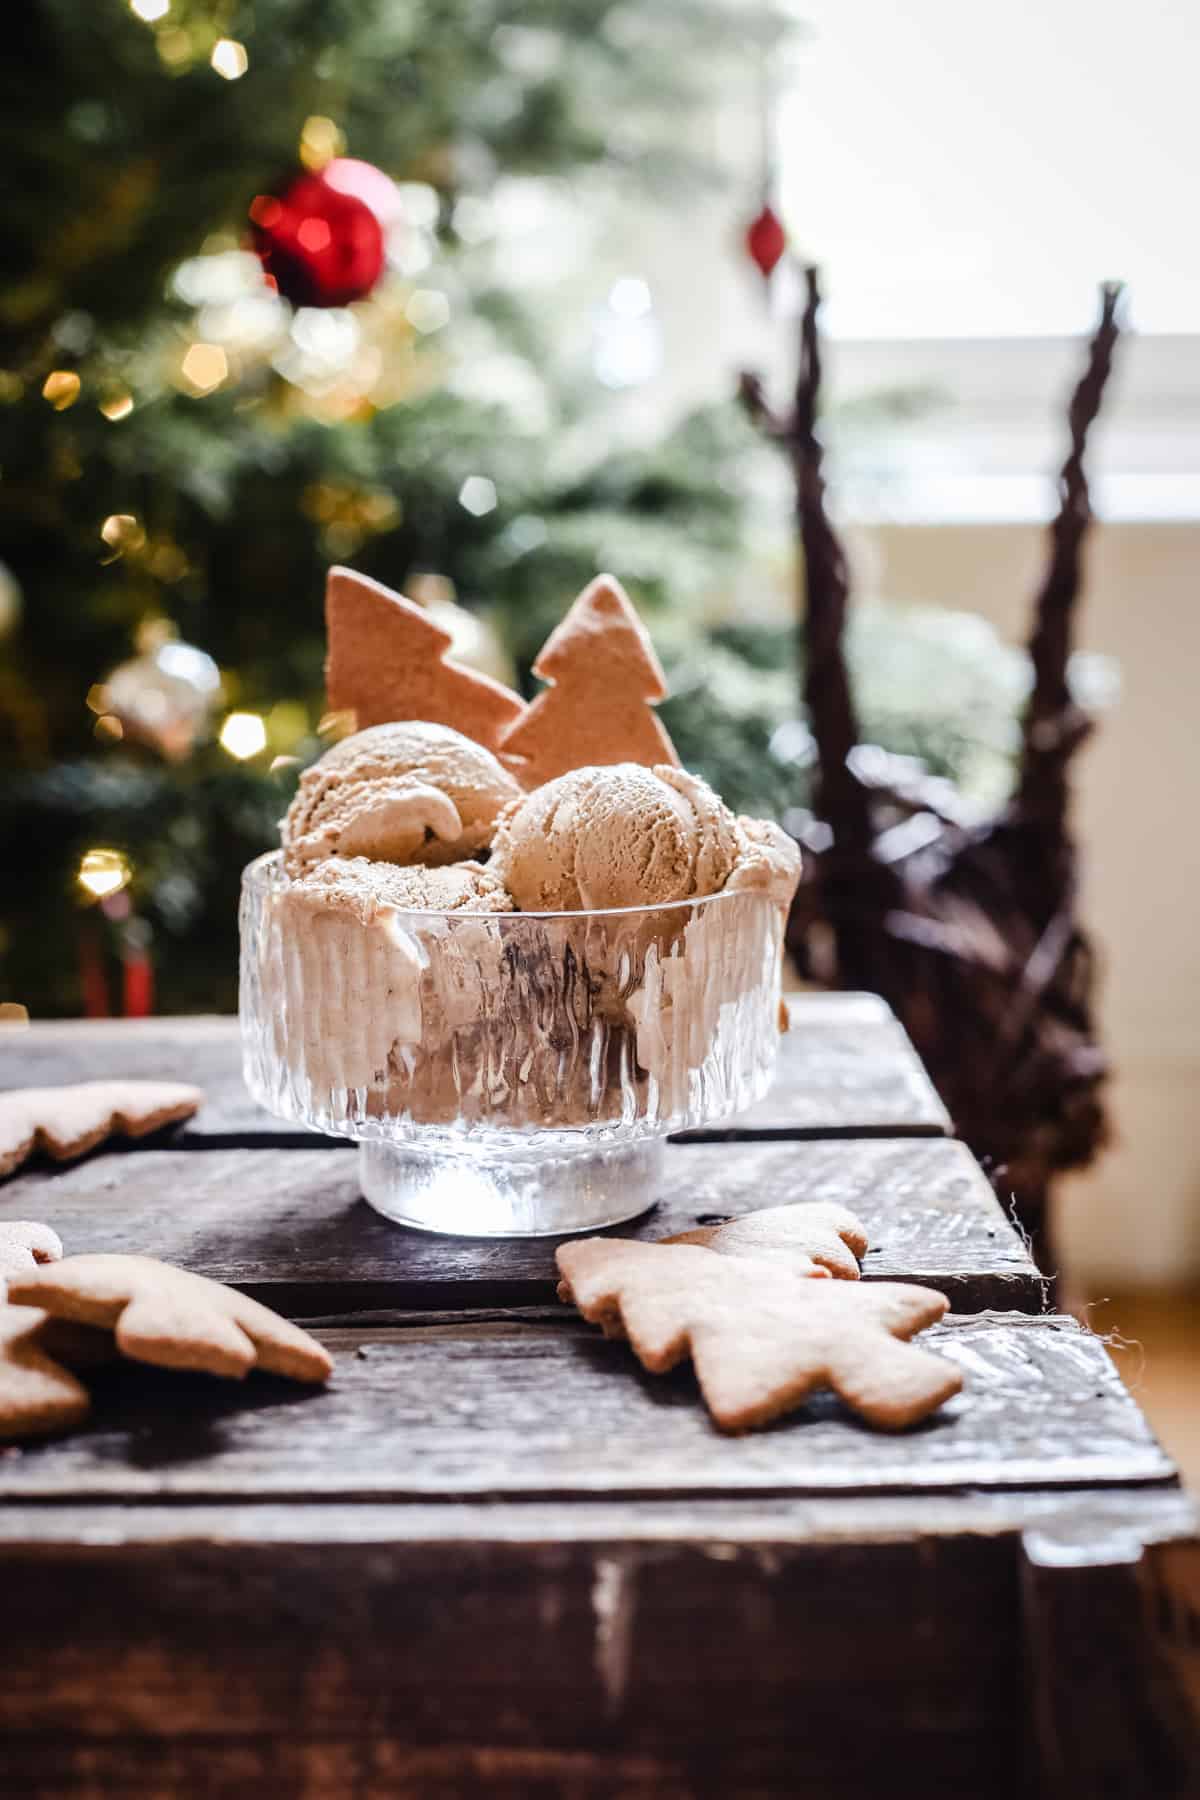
column 508, row 1074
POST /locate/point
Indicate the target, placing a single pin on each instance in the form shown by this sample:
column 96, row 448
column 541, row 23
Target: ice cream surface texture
column 625, row 835
column 371, row 891
column 409, row 792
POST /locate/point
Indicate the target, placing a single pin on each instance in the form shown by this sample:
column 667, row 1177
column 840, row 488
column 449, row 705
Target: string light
column 243, row 735
column 205, row 367
column 119, row 407
column 122, row 532
column 150, row 10
column 61, row 389
column 320, row 141
column 477, row 495
column 103, row 872
column 229, row 58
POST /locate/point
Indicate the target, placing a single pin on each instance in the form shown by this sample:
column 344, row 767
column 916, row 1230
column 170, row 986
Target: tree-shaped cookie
column 763, row 1338
column 167, row 1316
column 386, row 659
column 67, row 1121
column 604, row 680
column 23, row 1245
column 36, row 1393
column 806, row 1232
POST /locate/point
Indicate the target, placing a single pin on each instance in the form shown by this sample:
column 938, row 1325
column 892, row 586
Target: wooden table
column 496, row 1557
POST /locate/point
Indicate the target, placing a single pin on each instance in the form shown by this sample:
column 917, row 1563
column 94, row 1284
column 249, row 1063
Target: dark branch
column 1054, row 726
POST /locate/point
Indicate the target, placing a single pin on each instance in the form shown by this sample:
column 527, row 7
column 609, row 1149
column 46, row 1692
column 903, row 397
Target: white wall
column 1136, row 1218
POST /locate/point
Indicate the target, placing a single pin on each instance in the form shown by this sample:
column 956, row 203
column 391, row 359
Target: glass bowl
column 508, row 1074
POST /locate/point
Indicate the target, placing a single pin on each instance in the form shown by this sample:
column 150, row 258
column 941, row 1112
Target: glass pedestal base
column 522, row 1193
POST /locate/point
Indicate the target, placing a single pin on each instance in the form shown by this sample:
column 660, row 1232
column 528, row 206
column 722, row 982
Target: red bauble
column 766, row 241
column 320, row 245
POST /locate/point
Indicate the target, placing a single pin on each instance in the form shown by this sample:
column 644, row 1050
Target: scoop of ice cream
column 622, row 835
column 371, row 891
column 768, row 862
column 408, row 792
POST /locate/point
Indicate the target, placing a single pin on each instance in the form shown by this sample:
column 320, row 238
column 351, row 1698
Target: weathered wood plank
column 650, row 1650
column 290, row 1227
column 541, row 1409
column 846, row 1068
column 1112, row 1624
column 724, row 1528
column 433, row 1669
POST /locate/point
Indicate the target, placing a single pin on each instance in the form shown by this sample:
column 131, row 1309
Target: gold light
column 229, row 58
column 14, row 1015
column 108, row 729
column 119, row 407
column 320, row 141
column 122, row 532
column 61, row 389
column 103, row 872
column 205, row 367
column 243, row 735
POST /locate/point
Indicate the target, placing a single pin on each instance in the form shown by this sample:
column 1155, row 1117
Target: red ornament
column 766, row 241
column 319, row 245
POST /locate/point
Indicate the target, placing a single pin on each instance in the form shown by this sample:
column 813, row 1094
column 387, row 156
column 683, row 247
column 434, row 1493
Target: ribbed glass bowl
column 508, row 1073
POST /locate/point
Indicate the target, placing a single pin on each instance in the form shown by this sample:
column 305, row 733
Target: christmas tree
column 256, row 320
column 604, row 677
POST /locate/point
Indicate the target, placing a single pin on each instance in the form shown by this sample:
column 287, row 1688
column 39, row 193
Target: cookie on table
column 23, row 1245
column 37, row 1394
column 169, row 1317
column 761, row 1337
column 67, row 1121
column 807, row 1231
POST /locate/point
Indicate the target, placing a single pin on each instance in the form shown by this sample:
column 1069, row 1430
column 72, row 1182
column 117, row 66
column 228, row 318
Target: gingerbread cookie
column 761, row 1337
column 604, row 679
column 386, row 661
column 67, row 1121
column 807, row 1232
column 37, row 1395
column 163, row 1315
column 24, row 1244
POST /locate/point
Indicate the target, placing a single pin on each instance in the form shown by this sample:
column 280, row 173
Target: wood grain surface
column 547, row 1670
column 846, row 1068
column 1112, row 1625
column 543, row 1407
column 289, row 1226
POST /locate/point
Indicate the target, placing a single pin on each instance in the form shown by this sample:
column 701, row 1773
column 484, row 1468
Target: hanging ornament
column 766, row 241
column 320, row 240
column 163, row 697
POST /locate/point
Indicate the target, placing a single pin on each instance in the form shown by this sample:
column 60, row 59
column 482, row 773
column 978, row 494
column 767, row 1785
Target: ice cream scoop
column 621, row 835
column 408, row 792
column 372, row 891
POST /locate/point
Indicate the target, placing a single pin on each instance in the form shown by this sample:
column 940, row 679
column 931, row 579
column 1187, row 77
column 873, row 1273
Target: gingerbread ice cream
column 409, row 792
column 488, row 945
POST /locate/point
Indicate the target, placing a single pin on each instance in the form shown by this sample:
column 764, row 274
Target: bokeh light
column 229, row 58
column 243, row 735
column 103, row 872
